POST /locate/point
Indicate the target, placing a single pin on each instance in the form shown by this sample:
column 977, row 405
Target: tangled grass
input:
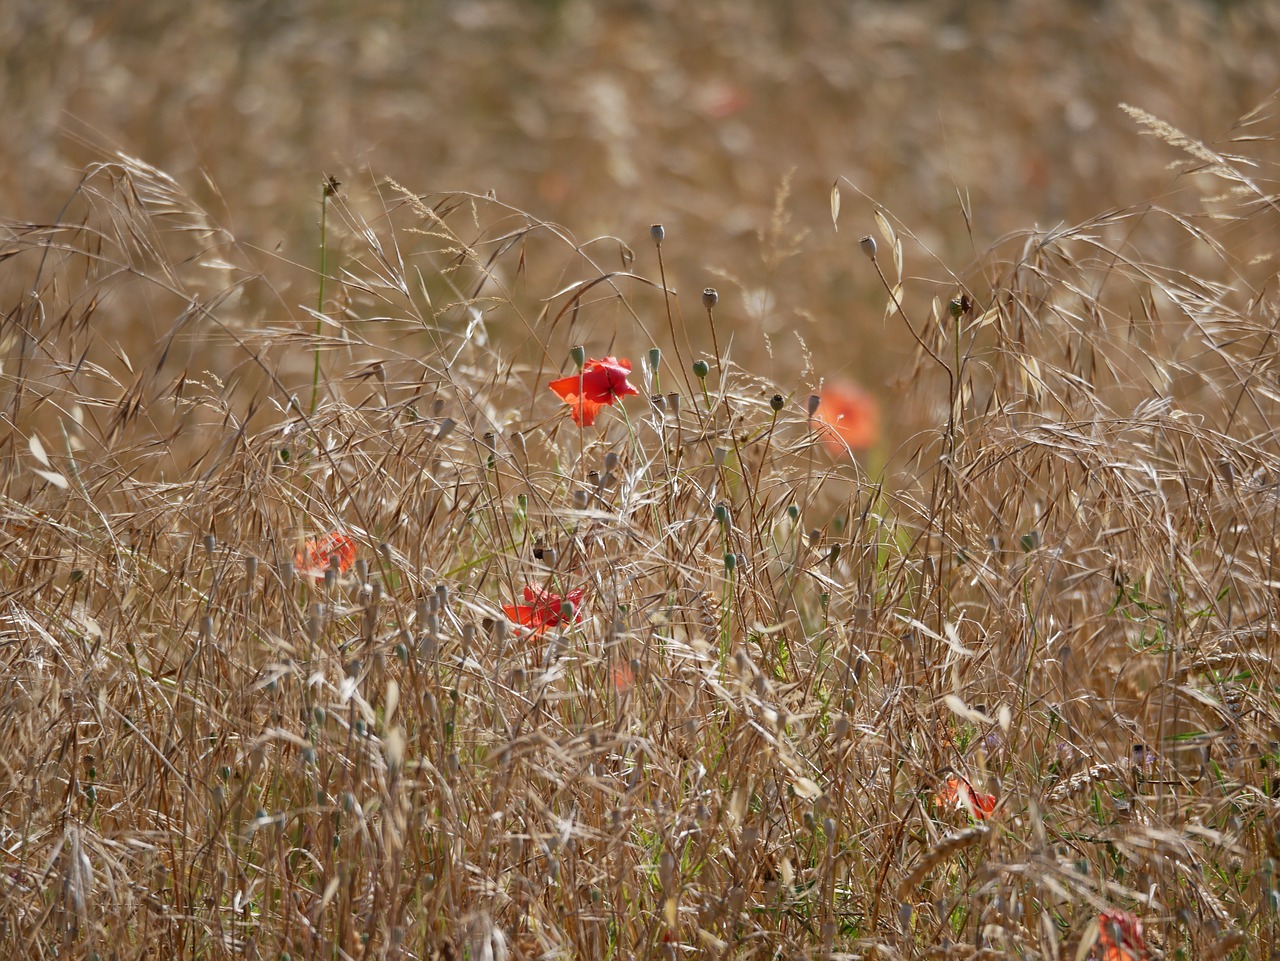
column 1063, row 592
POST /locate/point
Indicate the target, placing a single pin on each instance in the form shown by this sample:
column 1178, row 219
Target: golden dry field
column 497, row 480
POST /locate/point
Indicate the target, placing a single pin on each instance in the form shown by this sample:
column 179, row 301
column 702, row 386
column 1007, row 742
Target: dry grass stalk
column 224, row 738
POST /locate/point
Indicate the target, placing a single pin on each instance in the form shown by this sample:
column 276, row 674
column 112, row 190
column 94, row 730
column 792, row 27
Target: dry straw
column 264, row 696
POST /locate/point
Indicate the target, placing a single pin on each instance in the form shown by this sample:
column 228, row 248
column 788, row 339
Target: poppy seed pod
column 657, row 232
column 579, row 355
column 868, row 245
column 700, row 369
column 710, row 297
column 815, row 401
column 776, row 402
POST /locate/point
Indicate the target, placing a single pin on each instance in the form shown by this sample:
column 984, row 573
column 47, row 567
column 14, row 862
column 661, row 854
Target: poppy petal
column 314, row 558
column 847, row 419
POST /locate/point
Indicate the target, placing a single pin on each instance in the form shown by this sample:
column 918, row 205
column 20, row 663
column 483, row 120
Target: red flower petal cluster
column 313, row 560
column 1120, row 937
column 960, row 793
column 848, row 418
column 544, row 609
column 601, row 382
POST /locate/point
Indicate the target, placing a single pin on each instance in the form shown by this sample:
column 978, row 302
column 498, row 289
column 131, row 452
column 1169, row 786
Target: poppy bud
column 868, row 245
column 776, row 402
column 710, row 297
column 657, row 232
column 700, row 369
column 730, row 562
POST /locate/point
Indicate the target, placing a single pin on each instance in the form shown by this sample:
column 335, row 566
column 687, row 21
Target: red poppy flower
column 313, row 560
column 1120, row 937
column 544, row 609
column 960, row 793
column 848, row 418
column 601, row 382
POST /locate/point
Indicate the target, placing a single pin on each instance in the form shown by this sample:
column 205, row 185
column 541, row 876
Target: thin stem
column 330, row 186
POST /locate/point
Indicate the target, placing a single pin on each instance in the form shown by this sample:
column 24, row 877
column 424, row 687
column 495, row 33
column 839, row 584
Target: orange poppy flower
column 313, row 560
column 1120, row 937
column 624, row 678
column 601, row 382
column 847, row 419
column 544, row 609
column 960, row 793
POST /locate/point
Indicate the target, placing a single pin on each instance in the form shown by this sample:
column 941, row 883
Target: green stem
column 325, row 191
